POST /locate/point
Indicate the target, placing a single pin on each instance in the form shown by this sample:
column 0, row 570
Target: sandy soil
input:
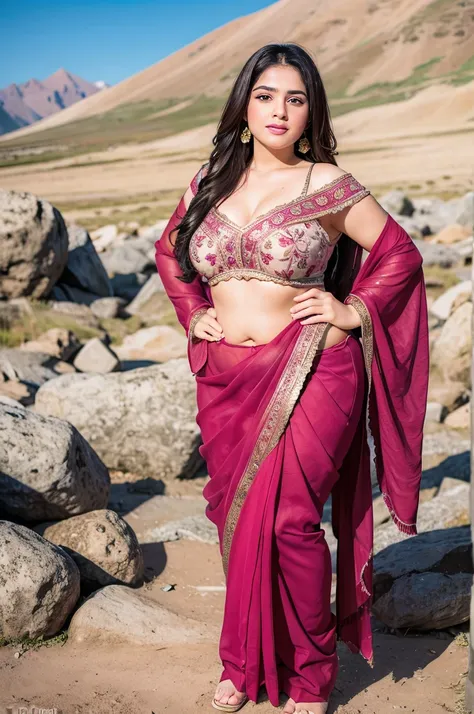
column 413, row 674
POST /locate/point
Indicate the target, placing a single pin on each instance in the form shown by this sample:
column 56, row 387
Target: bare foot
column 226, row 693
column 291, row 707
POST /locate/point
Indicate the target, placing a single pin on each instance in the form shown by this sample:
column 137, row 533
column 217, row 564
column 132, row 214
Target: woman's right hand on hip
column 207, row 327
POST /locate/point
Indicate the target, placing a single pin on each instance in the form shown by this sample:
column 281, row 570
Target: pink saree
column 283, row 426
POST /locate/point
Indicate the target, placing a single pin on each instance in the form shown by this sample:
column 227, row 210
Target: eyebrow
column 274, row 89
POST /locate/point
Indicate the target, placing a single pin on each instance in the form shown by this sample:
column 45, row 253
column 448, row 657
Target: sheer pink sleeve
column 190, row 300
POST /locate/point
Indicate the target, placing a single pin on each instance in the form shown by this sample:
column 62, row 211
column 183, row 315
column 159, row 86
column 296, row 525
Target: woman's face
column 278, row 97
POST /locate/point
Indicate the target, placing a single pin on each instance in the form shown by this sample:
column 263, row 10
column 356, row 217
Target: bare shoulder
column 323, row 174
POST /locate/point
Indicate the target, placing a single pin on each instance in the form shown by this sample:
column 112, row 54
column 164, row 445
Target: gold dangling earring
column 246, row 135
column 303, row 145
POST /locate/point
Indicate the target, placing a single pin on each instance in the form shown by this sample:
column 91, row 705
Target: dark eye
column 261, row 96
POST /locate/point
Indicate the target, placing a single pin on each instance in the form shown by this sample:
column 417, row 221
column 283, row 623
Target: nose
column 279, row 108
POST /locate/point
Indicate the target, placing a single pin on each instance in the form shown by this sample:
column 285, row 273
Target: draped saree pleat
column 274, row 451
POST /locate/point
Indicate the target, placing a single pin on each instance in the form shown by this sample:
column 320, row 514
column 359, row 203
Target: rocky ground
column 413, row 673
column 111, row 583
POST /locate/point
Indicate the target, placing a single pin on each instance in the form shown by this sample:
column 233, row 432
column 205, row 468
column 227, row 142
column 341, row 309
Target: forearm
column 188, row 299
column 355, row 317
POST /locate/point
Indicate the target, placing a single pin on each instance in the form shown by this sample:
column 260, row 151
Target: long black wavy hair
column 230, row 157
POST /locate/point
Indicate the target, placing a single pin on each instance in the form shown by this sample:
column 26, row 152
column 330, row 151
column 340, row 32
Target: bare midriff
column 253, row 312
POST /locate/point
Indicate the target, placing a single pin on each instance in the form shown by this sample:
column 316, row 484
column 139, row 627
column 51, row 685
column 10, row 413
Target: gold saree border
column 274, row 421
column 367, row 332
column 194, row 319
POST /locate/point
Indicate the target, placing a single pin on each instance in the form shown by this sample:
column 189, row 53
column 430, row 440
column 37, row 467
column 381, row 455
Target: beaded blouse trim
column 248, row 273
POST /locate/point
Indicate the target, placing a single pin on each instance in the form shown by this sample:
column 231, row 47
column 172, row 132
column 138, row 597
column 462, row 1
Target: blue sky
column 103, row 40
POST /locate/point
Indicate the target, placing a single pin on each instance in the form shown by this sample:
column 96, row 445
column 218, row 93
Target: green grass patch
column 26, row 643
column 129, row 123
column 43, row 318
column 445, row 275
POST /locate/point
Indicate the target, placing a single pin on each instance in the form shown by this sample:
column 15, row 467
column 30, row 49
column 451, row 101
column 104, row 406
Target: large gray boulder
column 141, row 421
column 452, row 350
column 398, row 203
column 39, row 584
column 33, row 245
column 48, row 471
column 425, row 581
column 443, row 305
column 103, row 546
column 118, row 615
column 437, row 254
column 125, row 259
column 463, row 209
column 32, row 367
column 84, row 268
column 440, row 512
column 153, row 285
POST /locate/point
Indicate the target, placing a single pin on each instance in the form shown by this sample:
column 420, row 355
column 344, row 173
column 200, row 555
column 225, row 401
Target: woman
column 264, row 271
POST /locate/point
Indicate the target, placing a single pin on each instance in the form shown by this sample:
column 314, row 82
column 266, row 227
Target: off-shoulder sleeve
column 197, row 178
column 337, row 195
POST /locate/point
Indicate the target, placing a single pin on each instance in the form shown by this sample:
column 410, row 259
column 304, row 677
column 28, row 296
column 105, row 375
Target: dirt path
column 411, row 674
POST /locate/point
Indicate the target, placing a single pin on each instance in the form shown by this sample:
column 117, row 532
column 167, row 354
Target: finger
column 313, row 320
column 312, row 310
column 213, row 333
column 213, row 323
column 204, row 335
column 307, row 303
column 312, row 292
column 212, row 311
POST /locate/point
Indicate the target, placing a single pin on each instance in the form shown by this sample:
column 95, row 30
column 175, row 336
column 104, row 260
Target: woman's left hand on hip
column 315, row 305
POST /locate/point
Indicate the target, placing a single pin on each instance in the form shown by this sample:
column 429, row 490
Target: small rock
column 434, row 412
column 198, row 528
column 152, row 286
column 425, row 581
column 460, row 418
column 56, row 342
column 451, row 234
column 158, row 343
column 104, row 237
column 108, row 308
column 103, row 546
column 97, row 357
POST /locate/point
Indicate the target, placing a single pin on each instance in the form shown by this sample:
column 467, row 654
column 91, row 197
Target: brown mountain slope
column 368, row 52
